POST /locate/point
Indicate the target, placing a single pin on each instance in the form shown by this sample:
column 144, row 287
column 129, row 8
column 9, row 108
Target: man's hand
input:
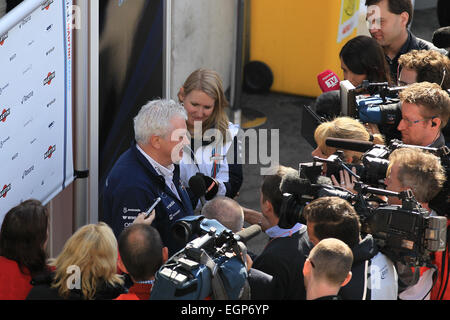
column 141, row 218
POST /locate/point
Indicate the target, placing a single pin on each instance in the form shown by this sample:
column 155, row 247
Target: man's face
column 393, row 184
column 384, row 26
column 310, row 229
column 415, row 128
column 172, row 144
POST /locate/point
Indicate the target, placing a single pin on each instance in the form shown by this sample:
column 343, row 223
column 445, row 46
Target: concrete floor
column 283, row 113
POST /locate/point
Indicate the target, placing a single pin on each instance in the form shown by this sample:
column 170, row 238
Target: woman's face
column 355, row 79
column 199, row 106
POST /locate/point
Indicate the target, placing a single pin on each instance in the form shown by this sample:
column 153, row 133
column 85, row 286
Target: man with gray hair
column 225, row 210
column 147, row 171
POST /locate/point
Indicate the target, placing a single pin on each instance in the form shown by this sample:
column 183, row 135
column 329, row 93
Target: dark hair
column 396, row 7
column 140, row 249
column 333, row 217
column 270, row 188
column 364, row 55
column 23, row 235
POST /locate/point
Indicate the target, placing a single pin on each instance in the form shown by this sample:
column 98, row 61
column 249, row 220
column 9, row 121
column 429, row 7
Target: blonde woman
column 343, row 128
column 84, row 270
column 214, row 143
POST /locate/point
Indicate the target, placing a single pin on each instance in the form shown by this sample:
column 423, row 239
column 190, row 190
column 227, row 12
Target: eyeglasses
column 411, row 123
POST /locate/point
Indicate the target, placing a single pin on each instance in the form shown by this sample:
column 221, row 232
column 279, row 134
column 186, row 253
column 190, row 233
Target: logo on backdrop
column 48, row 154
column 4, row 115
column 46, row 5
column 3, row 38
column 49, row 78
column 5, row 190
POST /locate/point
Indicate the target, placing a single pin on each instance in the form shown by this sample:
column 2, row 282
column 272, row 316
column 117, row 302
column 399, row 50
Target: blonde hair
column 344, row 128
column 418, row 170
column 209, row 82
column 433, row 101
column 93, row 249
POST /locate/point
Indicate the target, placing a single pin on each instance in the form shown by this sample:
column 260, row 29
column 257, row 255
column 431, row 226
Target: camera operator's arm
column 255, row 217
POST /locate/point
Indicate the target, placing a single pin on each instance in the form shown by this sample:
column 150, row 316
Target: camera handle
column 336, row 159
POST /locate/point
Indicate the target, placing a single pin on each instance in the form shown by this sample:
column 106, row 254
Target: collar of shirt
column 166, row 172
column 404, row 49
column 277, row 232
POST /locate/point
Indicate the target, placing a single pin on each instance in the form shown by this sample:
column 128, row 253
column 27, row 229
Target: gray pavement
column 283, row 113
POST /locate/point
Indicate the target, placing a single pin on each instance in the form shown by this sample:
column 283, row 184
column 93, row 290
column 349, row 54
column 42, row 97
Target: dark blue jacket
column 131, row 188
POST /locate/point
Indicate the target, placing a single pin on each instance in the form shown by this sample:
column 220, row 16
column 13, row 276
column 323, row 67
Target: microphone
column 349, row 144
column 293, row 184
column 248, row 233
column 441, row 37
column 198, row 187
column 212, row 186
column 328, row 81
column 328, row 104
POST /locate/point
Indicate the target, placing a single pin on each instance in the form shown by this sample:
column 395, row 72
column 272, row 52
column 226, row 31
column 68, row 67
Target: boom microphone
column 248, row 233
column 441, row 37
column 328, row 81
column 349, row 144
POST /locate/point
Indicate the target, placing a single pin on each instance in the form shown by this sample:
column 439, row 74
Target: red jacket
column 14, row 285
column 137, row 292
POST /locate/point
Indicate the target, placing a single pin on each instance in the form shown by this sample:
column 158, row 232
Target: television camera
column 212, row 265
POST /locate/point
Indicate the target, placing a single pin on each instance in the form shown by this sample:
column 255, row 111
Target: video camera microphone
column 441, row 37
column 248, row 233
column 348, row 144
column 328, row 81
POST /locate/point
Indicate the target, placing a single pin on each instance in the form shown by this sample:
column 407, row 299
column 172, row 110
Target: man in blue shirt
column 148, row 170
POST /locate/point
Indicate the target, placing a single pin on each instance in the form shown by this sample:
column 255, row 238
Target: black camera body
column 406, row 233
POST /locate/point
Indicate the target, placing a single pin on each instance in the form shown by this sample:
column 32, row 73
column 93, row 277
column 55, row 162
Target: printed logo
column 46, row 5
column 27, row 172
column 5, row 190
column 5, row 114
column 49, row 78
column 3, row 88
column 3, row 38
column 27, row 97
column 2, row 142
column 48, row 154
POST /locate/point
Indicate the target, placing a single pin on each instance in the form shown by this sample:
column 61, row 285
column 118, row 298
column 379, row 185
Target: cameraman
column 425, row 65
column 414, row 169
column 423, row 173
column 284, row 255
column 425, row 112
column 373, row 274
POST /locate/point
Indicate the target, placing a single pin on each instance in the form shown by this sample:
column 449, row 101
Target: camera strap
column 218, row 288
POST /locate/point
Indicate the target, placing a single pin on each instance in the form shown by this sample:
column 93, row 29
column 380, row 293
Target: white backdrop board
column 36, row 152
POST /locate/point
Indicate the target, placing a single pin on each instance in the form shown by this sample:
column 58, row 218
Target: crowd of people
column 317, row 249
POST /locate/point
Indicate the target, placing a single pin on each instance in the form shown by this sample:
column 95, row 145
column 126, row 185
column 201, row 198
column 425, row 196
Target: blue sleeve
column 126, row 206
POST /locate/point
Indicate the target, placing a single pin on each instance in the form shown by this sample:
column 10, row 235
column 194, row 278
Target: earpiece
column 433, row 124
